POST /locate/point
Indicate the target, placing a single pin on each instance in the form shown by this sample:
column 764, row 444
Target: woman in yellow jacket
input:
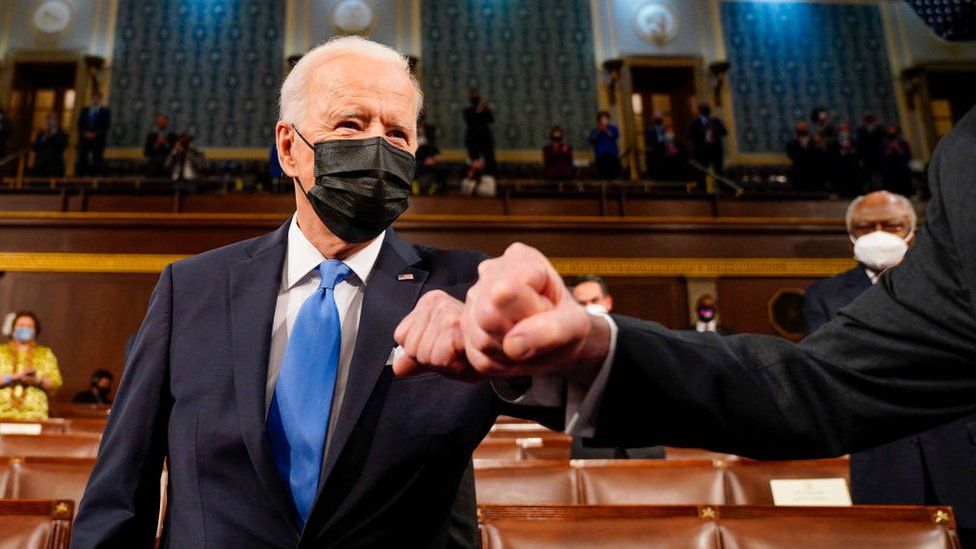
column 28, row 371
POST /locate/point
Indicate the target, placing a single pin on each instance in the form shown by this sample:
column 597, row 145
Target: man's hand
column 521, row 320
column 518, row 320
column 431, row 339
column 28, row 378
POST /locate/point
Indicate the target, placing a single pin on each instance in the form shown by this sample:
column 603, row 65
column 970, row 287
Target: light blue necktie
column 298, row 419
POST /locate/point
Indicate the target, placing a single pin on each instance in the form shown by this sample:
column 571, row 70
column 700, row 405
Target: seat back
column 525, row 482
column 35, row 524
column 618, row 527
column 6, row 477
column 72, row 410
column 65, row 445
column 51, row 477
column 673, row 452
column 544, row 448
column 522, row 430
column 643, row 482
column 497, row 449
column 86, row 425
column 838, row 527
column 747, row 481
column 22, row 426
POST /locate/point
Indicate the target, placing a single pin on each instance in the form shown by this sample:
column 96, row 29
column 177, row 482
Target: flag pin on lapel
column 405, row 276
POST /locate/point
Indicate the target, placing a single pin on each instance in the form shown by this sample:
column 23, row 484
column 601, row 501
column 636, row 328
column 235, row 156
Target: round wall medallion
column 352, row 17
column 52, row 17
column 655, row 23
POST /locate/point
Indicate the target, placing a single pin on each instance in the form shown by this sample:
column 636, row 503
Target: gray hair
column 291, row 101
column 892, row 197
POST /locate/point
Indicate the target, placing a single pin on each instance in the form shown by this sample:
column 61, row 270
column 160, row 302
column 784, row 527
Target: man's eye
column 398, row 134
column 351, row 124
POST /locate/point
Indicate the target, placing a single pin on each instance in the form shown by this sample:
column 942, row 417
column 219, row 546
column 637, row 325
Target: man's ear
column 285, row 140
column 608, row 303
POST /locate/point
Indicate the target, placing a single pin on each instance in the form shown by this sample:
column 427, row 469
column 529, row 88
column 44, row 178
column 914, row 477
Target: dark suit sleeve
column 900, row 359
column 814, row 312
column 121, row 504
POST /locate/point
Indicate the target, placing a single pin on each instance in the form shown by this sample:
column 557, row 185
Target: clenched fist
column 517, row 320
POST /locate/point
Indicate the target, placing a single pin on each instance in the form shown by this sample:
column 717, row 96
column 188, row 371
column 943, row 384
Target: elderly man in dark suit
column 898, row 360
column 936, row 467
column 262, row 370
column 93, row 123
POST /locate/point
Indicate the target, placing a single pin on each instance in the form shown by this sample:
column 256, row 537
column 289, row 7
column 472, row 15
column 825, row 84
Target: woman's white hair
column 292, row 101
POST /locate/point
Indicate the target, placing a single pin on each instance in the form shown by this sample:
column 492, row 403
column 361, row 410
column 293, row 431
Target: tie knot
column 332, row 272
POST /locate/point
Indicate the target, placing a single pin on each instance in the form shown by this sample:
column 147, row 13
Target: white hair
column 892, row 197
column 292, row 101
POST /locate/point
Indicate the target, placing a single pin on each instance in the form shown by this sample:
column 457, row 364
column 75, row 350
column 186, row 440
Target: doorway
column 40, row 88
column 669, row 90
column 951, row 95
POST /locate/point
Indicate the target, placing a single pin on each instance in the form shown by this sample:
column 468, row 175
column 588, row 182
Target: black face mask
column 361, row 185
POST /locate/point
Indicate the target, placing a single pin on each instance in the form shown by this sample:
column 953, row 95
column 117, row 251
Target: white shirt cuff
column 581, row 402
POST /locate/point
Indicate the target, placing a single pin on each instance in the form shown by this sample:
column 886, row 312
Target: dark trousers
column 607, row 166
column 90, row 157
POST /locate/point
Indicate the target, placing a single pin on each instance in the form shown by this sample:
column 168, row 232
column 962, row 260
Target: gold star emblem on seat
column 61, row 508
column 708, row 513
column 941, row 517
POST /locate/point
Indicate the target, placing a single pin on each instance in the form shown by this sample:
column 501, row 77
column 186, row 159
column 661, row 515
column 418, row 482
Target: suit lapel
column 254, row 285
column 386, row 301
column 856, row 283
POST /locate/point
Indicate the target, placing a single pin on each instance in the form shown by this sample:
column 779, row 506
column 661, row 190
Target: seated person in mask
column 557, row 156
column 28, row 371
column 935, row 467
column 99, row 391
column 706, row 316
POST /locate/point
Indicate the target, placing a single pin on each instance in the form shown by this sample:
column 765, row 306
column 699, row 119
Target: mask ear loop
column 295, row 179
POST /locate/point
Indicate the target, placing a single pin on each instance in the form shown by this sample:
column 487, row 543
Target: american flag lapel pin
column 404, row 276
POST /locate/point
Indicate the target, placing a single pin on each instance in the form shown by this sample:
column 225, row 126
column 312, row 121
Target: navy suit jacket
column 936, row 467
column 194, row 393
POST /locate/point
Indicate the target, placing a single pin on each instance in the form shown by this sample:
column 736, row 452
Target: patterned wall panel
column 213, row 65
column 532, row 59
column 788, row 57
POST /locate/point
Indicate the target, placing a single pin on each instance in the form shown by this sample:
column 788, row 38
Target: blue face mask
column 24, row 334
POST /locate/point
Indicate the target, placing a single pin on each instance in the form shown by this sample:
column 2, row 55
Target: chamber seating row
column 35, row 524
column 642, row 482
column 79, row 445
column 715, row 527
column 62, row 478
column 54, row 426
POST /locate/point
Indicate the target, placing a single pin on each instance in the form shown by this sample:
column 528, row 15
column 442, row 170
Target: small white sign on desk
column 830, row 492
column 20, row 428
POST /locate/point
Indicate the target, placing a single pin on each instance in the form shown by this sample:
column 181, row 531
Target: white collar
column 709, row 326
column 873, row 276
column 302, row 257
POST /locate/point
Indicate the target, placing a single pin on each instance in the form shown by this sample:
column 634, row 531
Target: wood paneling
column 556, row 236
column 659, row 299
column 744, row 302
column 86, row 318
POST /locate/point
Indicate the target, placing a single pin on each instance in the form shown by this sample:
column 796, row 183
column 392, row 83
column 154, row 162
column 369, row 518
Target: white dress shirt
column 709, row 326
column 299, row 280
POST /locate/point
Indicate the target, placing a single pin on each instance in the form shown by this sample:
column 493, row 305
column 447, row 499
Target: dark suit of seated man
column 261, row 372
column 936, row 467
